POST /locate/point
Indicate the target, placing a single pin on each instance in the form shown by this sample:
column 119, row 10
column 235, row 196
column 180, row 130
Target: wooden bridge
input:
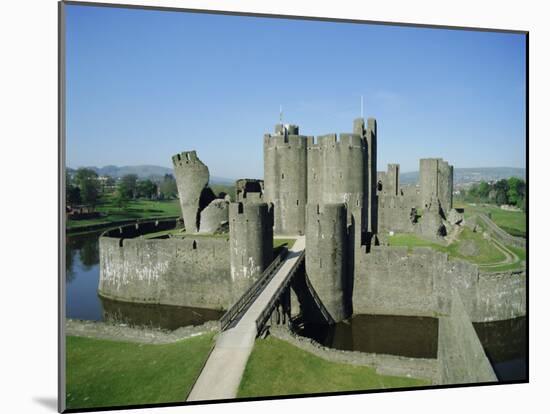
column 242, row 323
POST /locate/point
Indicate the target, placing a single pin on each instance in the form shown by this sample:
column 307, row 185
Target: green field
column 279, row 368
column 489, row 255
column 103, row 373
column 136, row 209
column 513, row 222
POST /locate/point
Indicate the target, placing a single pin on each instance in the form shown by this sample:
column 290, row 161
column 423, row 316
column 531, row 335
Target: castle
column 327, row 189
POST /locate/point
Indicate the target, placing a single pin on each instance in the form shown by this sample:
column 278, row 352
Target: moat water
column 409, row 336
column 504, row 342
column 83, row 301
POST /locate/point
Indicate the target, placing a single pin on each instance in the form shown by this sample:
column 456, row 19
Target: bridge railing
column 266, row 313
column 326, row 315
column 235, row 311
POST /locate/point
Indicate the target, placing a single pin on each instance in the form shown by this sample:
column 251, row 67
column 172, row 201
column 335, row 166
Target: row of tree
column 86, row 187
column 511, row 191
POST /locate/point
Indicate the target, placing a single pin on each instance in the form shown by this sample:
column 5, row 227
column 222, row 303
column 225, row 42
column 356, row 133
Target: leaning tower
column 191, row 178
column 285, row 178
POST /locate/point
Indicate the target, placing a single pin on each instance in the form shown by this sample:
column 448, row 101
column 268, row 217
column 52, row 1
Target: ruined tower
column 248, row 190
column 436, row 183
column 192, row 181
column 369, row 134
column 326, row 257
column 285, row 178
column 250, row 242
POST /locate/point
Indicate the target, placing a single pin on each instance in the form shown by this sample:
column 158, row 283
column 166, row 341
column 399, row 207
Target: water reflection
column 83, row 301
column 409, row 336
column 505, row 343
column 157, row 316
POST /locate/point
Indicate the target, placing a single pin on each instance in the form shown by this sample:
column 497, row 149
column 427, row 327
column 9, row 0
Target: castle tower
column 338, row 173
column 192, row 179
column 326, row 257
column 391, row 186
column 250, row 242
column 285, row 178
column 436, row 183
column 372, row 166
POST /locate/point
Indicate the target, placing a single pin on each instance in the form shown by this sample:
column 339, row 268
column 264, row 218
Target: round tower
column 338, row 173
column 326, row 257
column 285, row 178
column 250, row 242
column 191, row 178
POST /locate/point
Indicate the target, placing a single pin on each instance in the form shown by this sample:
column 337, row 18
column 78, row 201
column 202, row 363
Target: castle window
column 283, row 176
column 194, row 245
column 297, row 202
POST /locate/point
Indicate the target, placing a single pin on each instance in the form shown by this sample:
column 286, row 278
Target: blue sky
column 144, row 85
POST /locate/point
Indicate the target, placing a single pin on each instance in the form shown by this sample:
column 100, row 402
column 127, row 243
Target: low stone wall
column 421, row 368
column 114, row 332
column 500, row 296
column 500, row 234
column 460, row 353
column 186, row 272
column 391, row 281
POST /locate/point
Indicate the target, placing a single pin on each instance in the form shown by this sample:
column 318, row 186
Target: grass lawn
column 513, row 222
column 104, row 373
column 137, row 209
column 488, row 253
column 279, row 368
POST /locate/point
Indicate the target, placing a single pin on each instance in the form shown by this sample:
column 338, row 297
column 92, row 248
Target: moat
column 83, row 301
column 504, row 341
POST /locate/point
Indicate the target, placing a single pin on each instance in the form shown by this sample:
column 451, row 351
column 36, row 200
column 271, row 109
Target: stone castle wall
column 461, row 356
column 185, row 272
column 391, row 281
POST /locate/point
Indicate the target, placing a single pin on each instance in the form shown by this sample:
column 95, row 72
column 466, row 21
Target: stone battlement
column 334, row 140
column 299, row 141
column 249, row 211
column 185, row 157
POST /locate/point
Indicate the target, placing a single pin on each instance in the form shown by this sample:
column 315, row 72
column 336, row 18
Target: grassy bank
column 279, row 368
column 488, row 254
column 136, row 209
column 104, row 373
column 513, row 222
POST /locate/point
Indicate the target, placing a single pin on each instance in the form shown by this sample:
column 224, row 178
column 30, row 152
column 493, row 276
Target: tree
column 121, row 198
column 483, row 190
column 501, row 188
column 72, row 192
column 516, row 190
column 86, row 180
column 128, row 183
column 168, row 187
column 146, row 188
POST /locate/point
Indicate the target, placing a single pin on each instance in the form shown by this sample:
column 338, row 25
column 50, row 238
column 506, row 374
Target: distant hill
column 145, row 171
column 471, row 175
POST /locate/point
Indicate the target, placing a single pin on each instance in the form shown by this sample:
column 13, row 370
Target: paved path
column 222, row 373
